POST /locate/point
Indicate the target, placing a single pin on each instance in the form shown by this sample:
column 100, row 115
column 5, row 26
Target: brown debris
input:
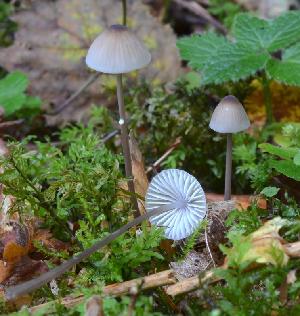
column 192, row 265
column 94, row 306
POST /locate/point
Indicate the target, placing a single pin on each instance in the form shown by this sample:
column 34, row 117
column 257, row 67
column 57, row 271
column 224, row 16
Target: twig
column 190, row 284
column 94, row 306
column 134, row 296
column 7, row 124
column 110, row 135
column 165, row 155
column 74, row 96
column 197, row 9
column 29, row 286
column 151, row 281
column 208, row 248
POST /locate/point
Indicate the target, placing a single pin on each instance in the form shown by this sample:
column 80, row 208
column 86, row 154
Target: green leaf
column 220, row 60
column 270, row 191
column 286, row 70
column 271, row 35
column 250, row 30
column 12, row 89
column 297, row 159
column 199, row 50
column 284, row 31
column 233, row 62
column 287, row 168
column 285, row 153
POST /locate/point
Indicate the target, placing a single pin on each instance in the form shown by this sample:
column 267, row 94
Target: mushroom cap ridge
column 229, row 116
column 117, row 50
column 176, row 186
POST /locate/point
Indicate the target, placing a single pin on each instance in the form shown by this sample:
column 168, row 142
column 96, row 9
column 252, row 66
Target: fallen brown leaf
column 24, row 270
column 44, row 236
column 14, row 241
column 242, row 201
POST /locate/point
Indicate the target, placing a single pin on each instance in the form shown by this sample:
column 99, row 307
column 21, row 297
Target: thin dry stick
column 74, row 96
column 29, row 286
column 151, row 281
column 165, row 155
column 191, row 284
column 208, row 248
column 91, row 79
column 197, row 9
column 110, row 135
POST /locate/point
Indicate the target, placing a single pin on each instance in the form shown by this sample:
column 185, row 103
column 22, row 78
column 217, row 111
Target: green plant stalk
column 267, row 99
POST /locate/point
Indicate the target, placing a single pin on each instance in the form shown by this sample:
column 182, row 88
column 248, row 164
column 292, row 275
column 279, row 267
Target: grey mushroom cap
column 117, row 50
column 229, row 116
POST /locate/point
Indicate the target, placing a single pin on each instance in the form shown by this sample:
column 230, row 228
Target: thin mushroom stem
column 124, row 11
column 125, row 144
column 267, row 100
column 31, row 285
column 227, row 194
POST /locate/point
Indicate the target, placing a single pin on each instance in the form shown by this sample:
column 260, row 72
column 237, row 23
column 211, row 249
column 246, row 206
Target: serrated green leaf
column 284, row 31
column 12, row 89
column 282, row 152
column 233, row 63
column 199, row 50
column 271, row 35
column 250, row 30
column 270, row 191
column 287, row 70
column 220, row 60
column 287, row 168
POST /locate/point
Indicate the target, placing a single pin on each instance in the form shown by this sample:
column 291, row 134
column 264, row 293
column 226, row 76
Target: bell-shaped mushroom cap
column 117, row 50
column 229, row 116
column 185, row 195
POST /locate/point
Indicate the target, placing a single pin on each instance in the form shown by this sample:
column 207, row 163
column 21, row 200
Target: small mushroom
column 229, row 117
column 117, row 51
column 185, row 198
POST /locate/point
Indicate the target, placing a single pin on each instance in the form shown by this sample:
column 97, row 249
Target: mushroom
column 184, row 196
column 229, row 117
column 117, row 51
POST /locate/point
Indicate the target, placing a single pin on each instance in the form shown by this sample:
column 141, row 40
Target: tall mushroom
column 117, row 51
column 229, row 117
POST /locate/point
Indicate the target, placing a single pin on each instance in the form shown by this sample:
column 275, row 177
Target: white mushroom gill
column 117, row 50
column 176, row 187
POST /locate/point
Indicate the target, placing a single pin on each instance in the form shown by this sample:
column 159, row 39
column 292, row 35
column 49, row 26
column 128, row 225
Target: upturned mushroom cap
column 229, row 116
column 117, row 50
column 177, row 187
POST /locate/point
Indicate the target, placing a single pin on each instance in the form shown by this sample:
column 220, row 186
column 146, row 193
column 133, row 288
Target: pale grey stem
column 125, row 144
column 29, row 286
column 227, row 194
